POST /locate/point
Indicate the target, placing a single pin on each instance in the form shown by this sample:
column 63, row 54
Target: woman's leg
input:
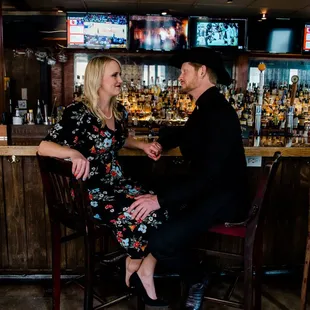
column 132, row 265
column 146, row 275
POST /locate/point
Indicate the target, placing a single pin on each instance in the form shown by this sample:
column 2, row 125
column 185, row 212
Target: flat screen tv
column 158, row 33
column 275, row 36
column 218, row 33
column 97, row 30
column 306, row 41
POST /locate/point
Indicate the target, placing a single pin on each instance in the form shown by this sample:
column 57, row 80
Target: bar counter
column 249, row 151
column 25, row 238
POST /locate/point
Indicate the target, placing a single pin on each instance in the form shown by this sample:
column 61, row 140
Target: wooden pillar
column 2, row 65
column 241, row 71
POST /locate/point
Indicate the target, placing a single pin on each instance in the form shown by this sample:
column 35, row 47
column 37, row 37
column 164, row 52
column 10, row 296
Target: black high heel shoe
column 136, row 282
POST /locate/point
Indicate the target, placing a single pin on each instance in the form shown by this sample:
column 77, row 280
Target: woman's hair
column 93, row 78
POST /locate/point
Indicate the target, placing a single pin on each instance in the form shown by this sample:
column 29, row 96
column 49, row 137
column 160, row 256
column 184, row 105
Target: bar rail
column 249, row 151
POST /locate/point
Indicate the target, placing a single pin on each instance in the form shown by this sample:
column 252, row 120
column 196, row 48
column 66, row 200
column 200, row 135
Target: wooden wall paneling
column 35, row 217
column 241, row 71
column 300, row 212
column 3, row 226
column 2, row 65
column 71, row 251
column 15, row 211
column 48, row 235
column 68, row 79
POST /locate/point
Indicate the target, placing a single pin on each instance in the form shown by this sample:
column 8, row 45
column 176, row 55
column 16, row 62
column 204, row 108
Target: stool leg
column 248, row 278
column 89, row 242
column 140, row 303
column 258, row 274
column 56, row 248
column 305, row 277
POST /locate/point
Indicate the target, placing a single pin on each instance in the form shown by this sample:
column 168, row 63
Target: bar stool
column 251, row 231
column 306, row 267
column 68, row 204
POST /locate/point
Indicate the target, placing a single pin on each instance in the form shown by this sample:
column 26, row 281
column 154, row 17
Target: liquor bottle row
column 21, row 115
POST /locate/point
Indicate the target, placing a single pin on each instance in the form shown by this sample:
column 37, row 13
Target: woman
column 90, row 134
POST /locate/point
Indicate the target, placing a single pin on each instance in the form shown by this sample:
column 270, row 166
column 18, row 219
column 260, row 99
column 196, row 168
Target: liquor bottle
column 39, row 117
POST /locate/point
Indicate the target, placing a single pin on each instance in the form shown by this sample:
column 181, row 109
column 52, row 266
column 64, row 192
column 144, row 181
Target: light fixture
column 229, row 1
column 163, row 13
column 60, row 9
column 264, row 16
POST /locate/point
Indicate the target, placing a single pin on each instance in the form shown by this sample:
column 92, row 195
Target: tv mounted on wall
column 97, row 30
column 158, row 33
column 275, row 36
column 306, row 39
column 218, row 33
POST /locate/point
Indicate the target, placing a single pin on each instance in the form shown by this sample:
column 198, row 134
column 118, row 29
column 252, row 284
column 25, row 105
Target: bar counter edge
column 249, row 151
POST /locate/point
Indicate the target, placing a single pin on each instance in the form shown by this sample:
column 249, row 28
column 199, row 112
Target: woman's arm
column 52, row 149
column 152, row 150
column 132, row 143
column 80, row 165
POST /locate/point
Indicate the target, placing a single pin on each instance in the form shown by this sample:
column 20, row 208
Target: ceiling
column 215, row 8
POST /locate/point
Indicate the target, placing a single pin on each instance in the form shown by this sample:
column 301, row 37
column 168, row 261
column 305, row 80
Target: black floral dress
column 110, row 193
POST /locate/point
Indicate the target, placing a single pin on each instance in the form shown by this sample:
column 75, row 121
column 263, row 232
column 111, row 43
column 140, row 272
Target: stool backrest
column 67, row 198
column 258, row 207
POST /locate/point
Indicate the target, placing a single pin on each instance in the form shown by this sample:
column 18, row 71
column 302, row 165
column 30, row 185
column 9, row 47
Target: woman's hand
column 80, row 165
column 143, row 206
column 152, row 150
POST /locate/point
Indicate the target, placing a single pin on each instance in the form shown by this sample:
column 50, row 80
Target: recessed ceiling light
column 163, row 13
column 229, row 1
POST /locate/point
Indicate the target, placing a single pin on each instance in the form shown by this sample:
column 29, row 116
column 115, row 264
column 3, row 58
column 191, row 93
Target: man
column 215, row 189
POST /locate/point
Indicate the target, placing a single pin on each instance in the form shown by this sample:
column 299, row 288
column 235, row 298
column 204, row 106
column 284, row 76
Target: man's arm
column 170, row 137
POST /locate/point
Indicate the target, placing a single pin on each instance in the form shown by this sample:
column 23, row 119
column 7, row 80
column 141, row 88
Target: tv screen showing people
column 158, row 33
column 217, row 34
column 98, row 31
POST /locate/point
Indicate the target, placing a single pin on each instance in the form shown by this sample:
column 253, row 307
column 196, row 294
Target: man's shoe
column 195, row 297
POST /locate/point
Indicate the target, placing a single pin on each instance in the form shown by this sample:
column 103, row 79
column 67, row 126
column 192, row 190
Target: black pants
column 174, row 238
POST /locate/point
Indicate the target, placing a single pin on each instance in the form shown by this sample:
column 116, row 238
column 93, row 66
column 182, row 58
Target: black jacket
column 211, row 142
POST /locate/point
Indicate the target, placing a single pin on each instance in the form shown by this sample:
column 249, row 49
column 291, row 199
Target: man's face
column 188, row 78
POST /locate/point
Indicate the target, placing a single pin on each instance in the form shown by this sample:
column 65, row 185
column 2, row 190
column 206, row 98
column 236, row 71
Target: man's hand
column 143, row 206
column 80, row 165
column 152, row 150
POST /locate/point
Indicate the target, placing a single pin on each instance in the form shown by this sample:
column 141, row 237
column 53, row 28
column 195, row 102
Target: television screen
column 158, row 33
column 99, row 31
column 275, row 36
column 216, row 33
column 306, row 43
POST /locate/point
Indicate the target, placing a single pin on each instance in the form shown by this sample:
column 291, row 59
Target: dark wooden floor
column 278, row 293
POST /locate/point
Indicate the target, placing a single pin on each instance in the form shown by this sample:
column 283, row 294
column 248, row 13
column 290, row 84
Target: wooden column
column 2, row 65
column 241, row 71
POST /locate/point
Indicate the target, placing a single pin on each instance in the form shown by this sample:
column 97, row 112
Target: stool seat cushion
column 238, row 231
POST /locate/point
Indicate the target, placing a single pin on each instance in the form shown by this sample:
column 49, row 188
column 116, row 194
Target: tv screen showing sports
column 213, row 33
column 306, row 43
column 158, row 33
column 98, row 31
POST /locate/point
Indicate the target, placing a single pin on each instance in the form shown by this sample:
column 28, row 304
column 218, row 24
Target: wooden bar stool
column 251, row 231
column 306, row 267
column 68, row 204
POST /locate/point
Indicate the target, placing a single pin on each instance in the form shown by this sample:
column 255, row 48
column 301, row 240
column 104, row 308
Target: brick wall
column 62, row 80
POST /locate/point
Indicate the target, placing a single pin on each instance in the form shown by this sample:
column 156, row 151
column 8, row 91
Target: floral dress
column 110, row 193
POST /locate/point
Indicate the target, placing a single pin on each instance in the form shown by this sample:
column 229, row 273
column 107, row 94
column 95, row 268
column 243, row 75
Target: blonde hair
column 212, row 75
column 93, row 77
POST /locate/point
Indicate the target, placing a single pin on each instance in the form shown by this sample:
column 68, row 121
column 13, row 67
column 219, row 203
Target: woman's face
column 111, row 81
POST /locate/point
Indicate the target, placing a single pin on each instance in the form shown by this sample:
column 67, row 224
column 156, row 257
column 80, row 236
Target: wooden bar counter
column 25, row 240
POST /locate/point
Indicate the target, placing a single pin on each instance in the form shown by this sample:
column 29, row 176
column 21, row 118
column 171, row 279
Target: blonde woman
column 90, row 134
